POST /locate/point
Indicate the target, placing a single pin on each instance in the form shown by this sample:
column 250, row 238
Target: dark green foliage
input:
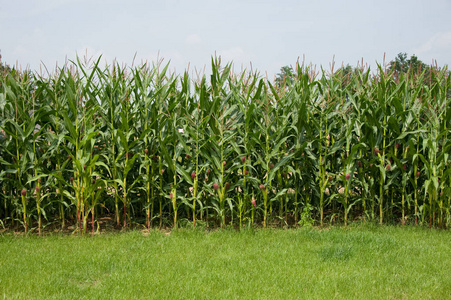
column 148, row 147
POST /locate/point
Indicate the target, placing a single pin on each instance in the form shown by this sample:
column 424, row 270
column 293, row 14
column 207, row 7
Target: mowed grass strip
column 364, row 262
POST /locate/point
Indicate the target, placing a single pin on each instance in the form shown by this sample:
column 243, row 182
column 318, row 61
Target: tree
column 285, row 77
column 347, row 74
column 4, row 69
column 25, row 75
column 402, row 65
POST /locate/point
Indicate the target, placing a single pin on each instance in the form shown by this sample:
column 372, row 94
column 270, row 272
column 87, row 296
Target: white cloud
column 165, row 56
column 31, row 41
column 177, row 62
column 50, row 5
column 88, row 53
column 439, row 42
column 193, row 39
column 241, row 59
column 236, row 54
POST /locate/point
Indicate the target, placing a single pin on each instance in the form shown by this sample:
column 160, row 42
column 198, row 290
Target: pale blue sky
column 270, row 34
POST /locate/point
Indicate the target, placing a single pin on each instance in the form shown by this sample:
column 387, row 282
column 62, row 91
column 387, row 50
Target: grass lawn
column 364, row 262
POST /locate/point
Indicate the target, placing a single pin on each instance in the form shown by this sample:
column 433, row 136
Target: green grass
column 365, row 262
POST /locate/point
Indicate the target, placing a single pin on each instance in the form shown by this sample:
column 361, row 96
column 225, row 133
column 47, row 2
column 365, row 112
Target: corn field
column 150, row 148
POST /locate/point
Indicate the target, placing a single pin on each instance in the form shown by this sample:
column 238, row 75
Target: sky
column 259, row 35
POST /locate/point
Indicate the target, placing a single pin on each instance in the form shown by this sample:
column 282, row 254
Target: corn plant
column 143, row 144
